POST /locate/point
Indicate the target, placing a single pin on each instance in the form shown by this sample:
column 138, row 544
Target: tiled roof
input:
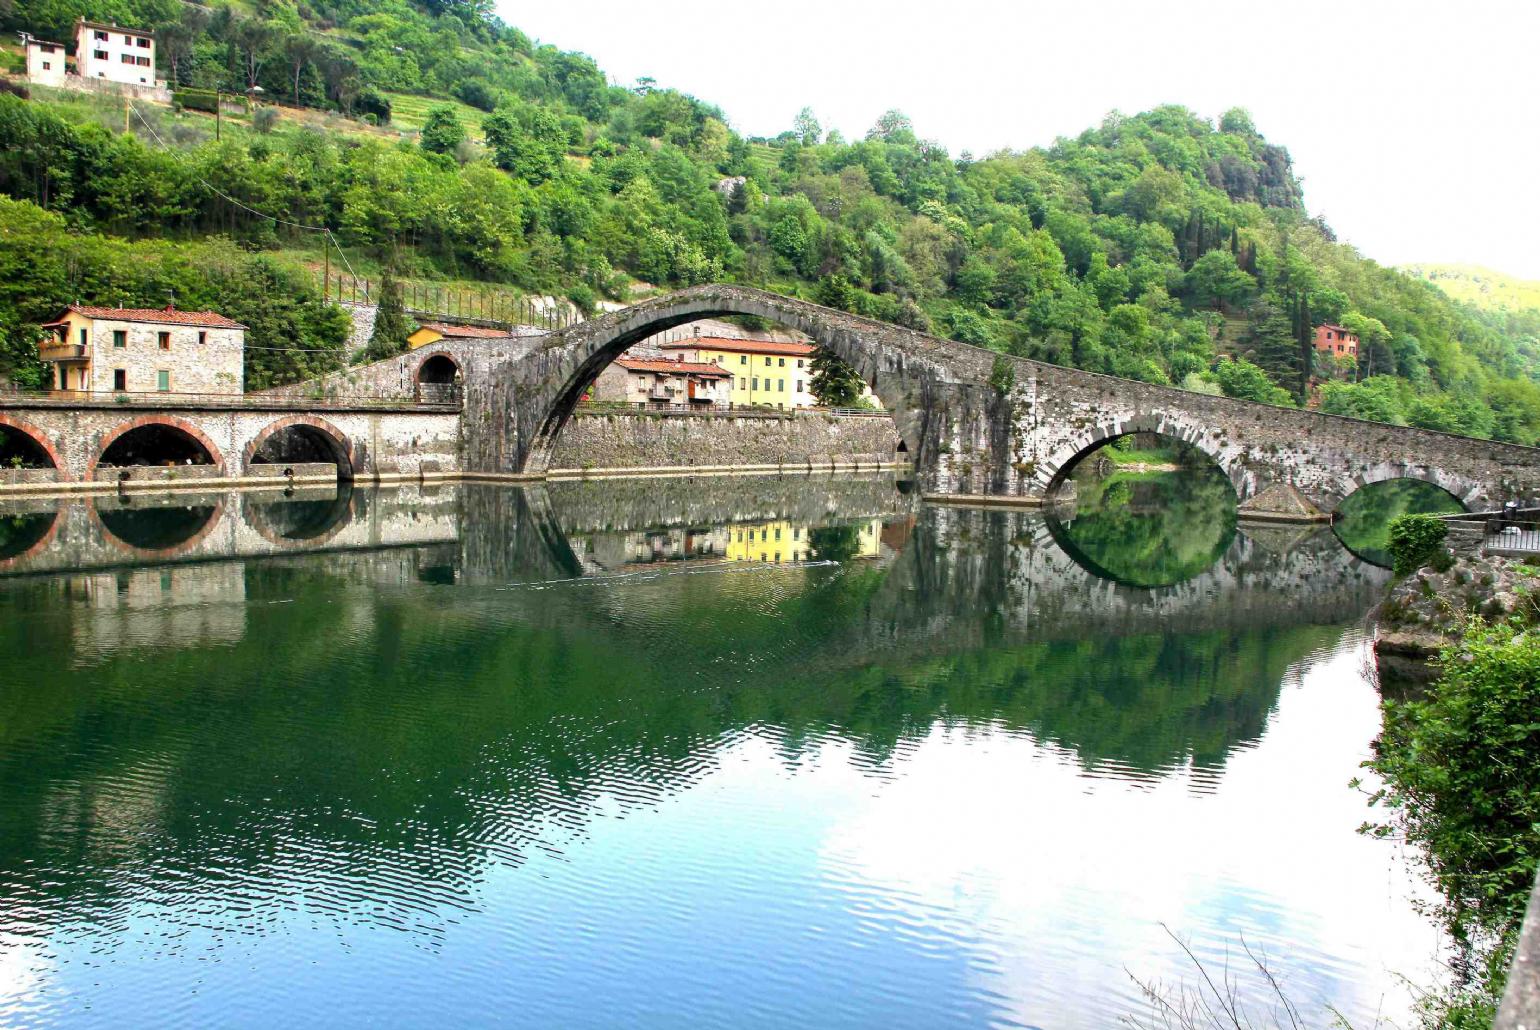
column 163, row 316
column 677, row 367
column 465, row 331
column 786, row 347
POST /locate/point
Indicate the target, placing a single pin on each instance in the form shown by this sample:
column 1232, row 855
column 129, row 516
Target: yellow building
column 767, row 373
column 789, row 542
column 433, row 332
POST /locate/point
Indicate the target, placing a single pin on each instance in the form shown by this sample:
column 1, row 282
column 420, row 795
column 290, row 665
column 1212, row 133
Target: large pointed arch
column 552, row 378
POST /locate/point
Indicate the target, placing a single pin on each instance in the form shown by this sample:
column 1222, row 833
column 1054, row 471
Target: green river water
column 588, row 754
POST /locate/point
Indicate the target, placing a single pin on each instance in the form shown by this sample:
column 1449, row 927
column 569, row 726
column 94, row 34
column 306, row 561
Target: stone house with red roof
column 144, row 350
column 664, row 383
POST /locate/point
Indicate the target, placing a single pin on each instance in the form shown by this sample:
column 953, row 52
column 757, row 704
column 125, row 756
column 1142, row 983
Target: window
column 47, row 50
column 120, row 379
column 83, row 337
column 101, row 35
column 144, row 62
column 46, row 66
column 783, row 362
column 796, row 533
column 164, row 339
column 743, row 384
column 777, row 534
column 203, row 338
column 799, row 386
column 767, row 362
column 781, row 385
column 163, row 380
column 743, row 359
column 756, row 382
column 127, row 58
column 120, row 338
column 141, row 41
column 799, row 362
column 101, row 55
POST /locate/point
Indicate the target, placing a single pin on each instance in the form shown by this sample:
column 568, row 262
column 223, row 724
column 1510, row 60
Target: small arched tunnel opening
column 153, row 528
column 304, row 445
column 1362, row 521
column 156, row 444
column 438, row 378
column 21, row 450
column 1143, row 510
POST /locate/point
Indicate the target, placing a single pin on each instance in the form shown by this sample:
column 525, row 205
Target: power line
column 241, row 204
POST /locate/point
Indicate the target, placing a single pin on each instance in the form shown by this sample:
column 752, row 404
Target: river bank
column 1459, row 755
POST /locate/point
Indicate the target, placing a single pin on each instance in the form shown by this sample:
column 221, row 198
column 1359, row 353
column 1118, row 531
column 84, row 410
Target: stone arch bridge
column 968, row 420
column 965, row 436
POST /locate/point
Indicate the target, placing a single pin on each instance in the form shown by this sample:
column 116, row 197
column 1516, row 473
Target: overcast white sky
column 1413, row 124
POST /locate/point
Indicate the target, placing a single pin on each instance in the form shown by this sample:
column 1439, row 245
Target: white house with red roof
column 144, row 350
column 664, row 383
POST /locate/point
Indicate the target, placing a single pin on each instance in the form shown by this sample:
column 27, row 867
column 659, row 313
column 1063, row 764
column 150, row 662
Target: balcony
column 62, row 351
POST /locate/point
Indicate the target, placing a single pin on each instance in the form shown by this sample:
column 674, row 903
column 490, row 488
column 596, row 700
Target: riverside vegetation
column 1157, row 246
column 1460, row 763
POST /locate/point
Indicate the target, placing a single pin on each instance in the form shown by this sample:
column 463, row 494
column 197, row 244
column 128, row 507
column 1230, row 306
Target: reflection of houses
column 160, row 607
column 664, row 383
column 655, row 546
column 787, row 542
column 139, row 350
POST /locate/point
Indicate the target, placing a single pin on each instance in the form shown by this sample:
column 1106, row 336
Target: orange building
column 1336, row 341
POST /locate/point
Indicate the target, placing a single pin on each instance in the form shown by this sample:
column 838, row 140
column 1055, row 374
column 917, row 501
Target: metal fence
column 492, row 307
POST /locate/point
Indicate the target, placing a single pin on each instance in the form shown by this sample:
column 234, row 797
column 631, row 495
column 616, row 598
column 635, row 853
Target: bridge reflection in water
column 390, row 702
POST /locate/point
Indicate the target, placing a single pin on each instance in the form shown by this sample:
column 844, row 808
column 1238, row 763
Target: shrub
column 1418, row 540
column 1462, row 781
column 1002, row 376
column 264, row 119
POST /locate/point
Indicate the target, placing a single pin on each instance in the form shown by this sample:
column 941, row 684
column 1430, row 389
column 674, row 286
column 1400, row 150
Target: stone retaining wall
column 683, row 439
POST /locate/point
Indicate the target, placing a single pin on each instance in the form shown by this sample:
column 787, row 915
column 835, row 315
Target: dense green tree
column 441, row 131
column 835, row 383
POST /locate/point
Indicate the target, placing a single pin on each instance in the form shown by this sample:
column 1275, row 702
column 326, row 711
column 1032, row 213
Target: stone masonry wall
column 683, row 439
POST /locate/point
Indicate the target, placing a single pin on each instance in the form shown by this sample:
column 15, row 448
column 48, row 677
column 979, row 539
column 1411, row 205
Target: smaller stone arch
column 316, row 428
column 1052, row 473
column 1470, row 494
column 38, row 439
column 210, row 449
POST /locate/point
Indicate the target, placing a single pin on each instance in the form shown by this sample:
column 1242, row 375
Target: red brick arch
column 41, row 439
column 156, row 420
column 337, row 436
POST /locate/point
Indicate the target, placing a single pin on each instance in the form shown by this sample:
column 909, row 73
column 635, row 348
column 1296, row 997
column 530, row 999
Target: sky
column 1412, row 124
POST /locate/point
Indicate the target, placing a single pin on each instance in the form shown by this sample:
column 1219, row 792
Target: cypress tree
column 390, row 325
